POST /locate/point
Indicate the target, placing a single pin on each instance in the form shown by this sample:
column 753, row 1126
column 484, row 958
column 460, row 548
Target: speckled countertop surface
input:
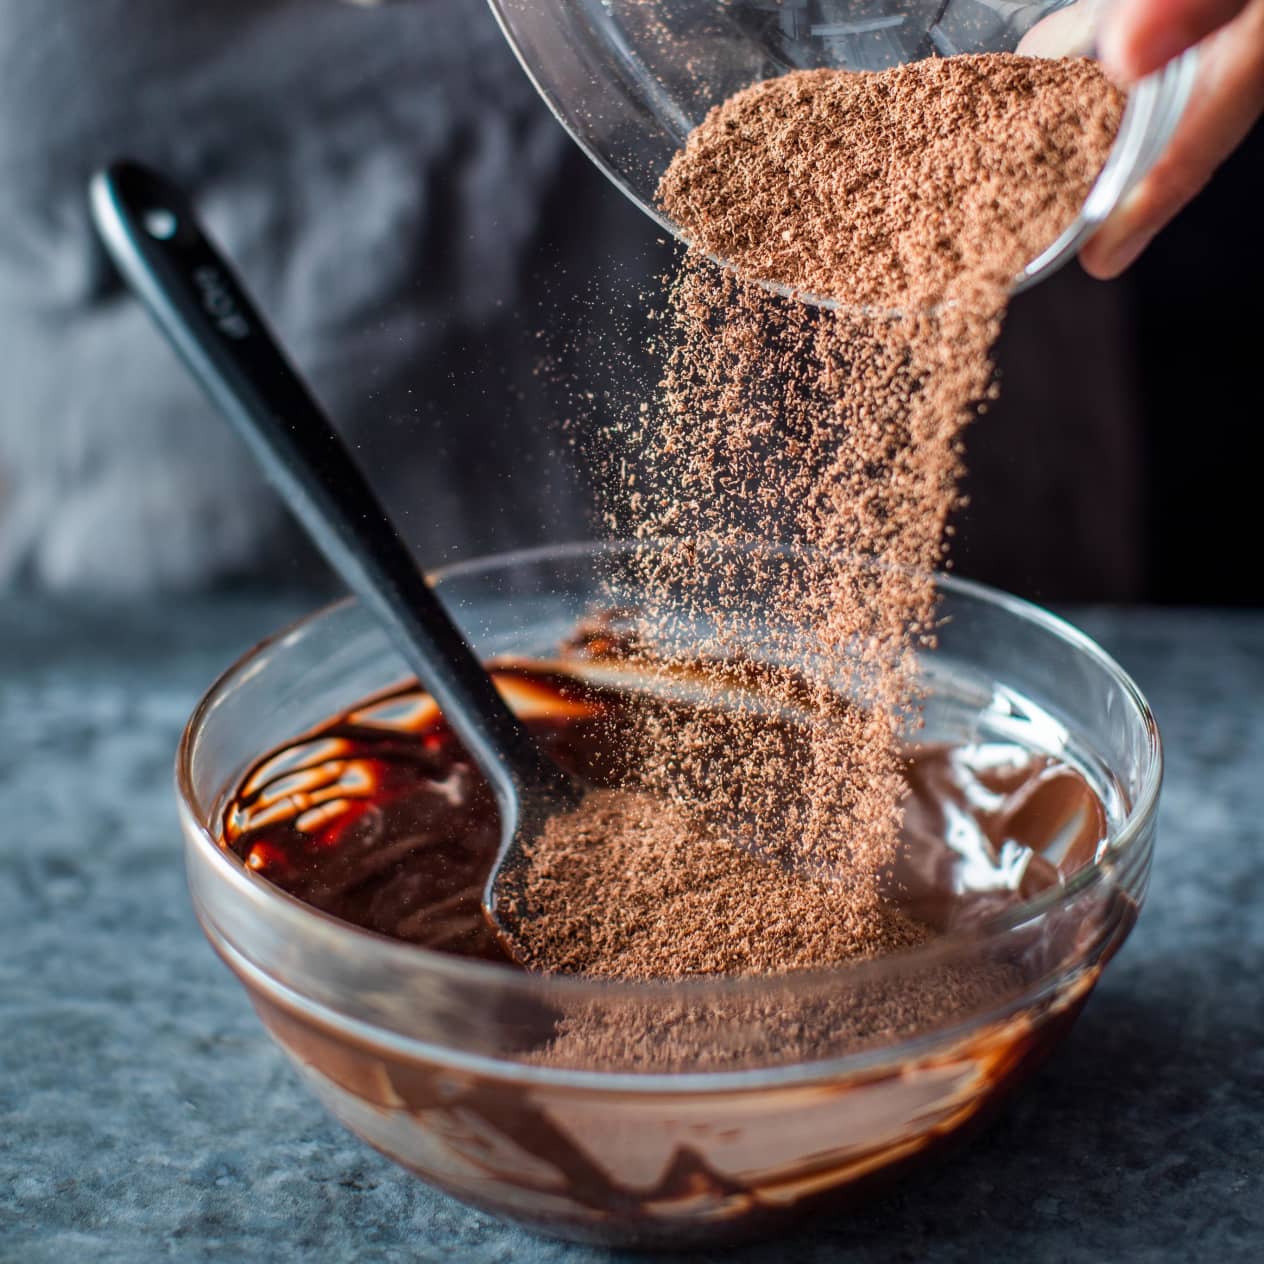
column 145, row 1115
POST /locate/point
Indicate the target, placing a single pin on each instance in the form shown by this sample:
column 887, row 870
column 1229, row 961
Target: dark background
column 1118, row 463
column 456, row 280
column 1194, row 299
column 1163, row 362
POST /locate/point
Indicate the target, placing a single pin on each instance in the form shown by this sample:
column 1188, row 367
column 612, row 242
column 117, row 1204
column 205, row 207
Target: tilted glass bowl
column 630, row 79
column 435, row 1060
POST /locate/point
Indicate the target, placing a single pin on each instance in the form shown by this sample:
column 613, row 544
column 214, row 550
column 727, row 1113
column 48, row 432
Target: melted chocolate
column 379, row 818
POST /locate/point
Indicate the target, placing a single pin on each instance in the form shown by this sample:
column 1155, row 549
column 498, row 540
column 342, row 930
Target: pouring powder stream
column 913, row 196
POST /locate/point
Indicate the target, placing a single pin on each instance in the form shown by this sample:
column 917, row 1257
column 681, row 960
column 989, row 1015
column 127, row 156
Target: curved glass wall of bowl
column 630, row 79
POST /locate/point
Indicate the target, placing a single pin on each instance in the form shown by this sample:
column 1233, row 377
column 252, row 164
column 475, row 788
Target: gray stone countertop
column 145, row 1115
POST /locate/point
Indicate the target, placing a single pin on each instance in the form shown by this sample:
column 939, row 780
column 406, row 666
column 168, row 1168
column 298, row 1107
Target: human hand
column 1137, row 37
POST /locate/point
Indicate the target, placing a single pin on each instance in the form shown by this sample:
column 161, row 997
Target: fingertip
column 1138, row 37
column 1117, row 39
column 1129, row 51
column 1113, row 51
column 1104, row 258
column 1152, row 48
column 1096, row 264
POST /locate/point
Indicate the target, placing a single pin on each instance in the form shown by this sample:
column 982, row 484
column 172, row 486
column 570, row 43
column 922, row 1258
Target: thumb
column 1139, row 36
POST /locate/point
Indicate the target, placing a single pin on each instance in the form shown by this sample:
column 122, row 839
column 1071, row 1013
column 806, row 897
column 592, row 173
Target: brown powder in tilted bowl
column 892, row 188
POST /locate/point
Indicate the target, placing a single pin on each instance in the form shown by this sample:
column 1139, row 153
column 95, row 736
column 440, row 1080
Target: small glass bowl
column 630, row 79
column 435, row 1060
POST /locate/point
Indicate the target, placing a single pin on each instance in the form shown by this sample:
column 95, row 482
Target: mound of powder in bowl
column 630, row 886
column 885, row 187
column 914, row 196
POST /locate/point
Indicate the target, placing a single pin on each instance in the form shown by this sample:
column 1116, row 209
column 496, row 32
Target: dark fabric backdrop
column 455, row 279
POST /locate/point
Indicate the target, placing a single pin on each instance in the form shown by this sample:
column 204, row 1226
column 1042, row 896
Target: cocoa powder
column 631, row 886
column 912, row 196
column 890, row 188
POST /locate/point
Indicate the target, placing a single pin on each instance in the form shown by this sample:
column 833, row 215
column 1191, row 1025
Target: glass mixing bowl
column 630, row 79
column 436, row 1060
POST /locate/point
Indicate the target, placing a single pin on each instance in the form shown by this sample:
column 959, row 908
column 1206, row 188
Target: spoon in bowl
column 150, row 230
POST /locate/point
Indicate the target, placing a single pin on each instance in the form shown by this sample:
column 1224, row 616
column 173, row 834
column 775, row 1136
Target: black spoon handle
column 150, row 229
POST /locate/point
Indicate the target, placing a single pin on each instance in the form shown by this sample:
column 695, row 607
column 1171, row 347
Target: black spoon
column 151, row 232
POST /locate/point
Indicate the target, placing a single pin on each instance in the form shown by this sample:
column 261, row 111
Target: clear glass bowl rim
column 373, row 949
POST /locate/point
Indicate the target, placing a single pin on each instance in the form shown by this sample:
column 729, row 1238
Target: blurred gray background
column 455, row 280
